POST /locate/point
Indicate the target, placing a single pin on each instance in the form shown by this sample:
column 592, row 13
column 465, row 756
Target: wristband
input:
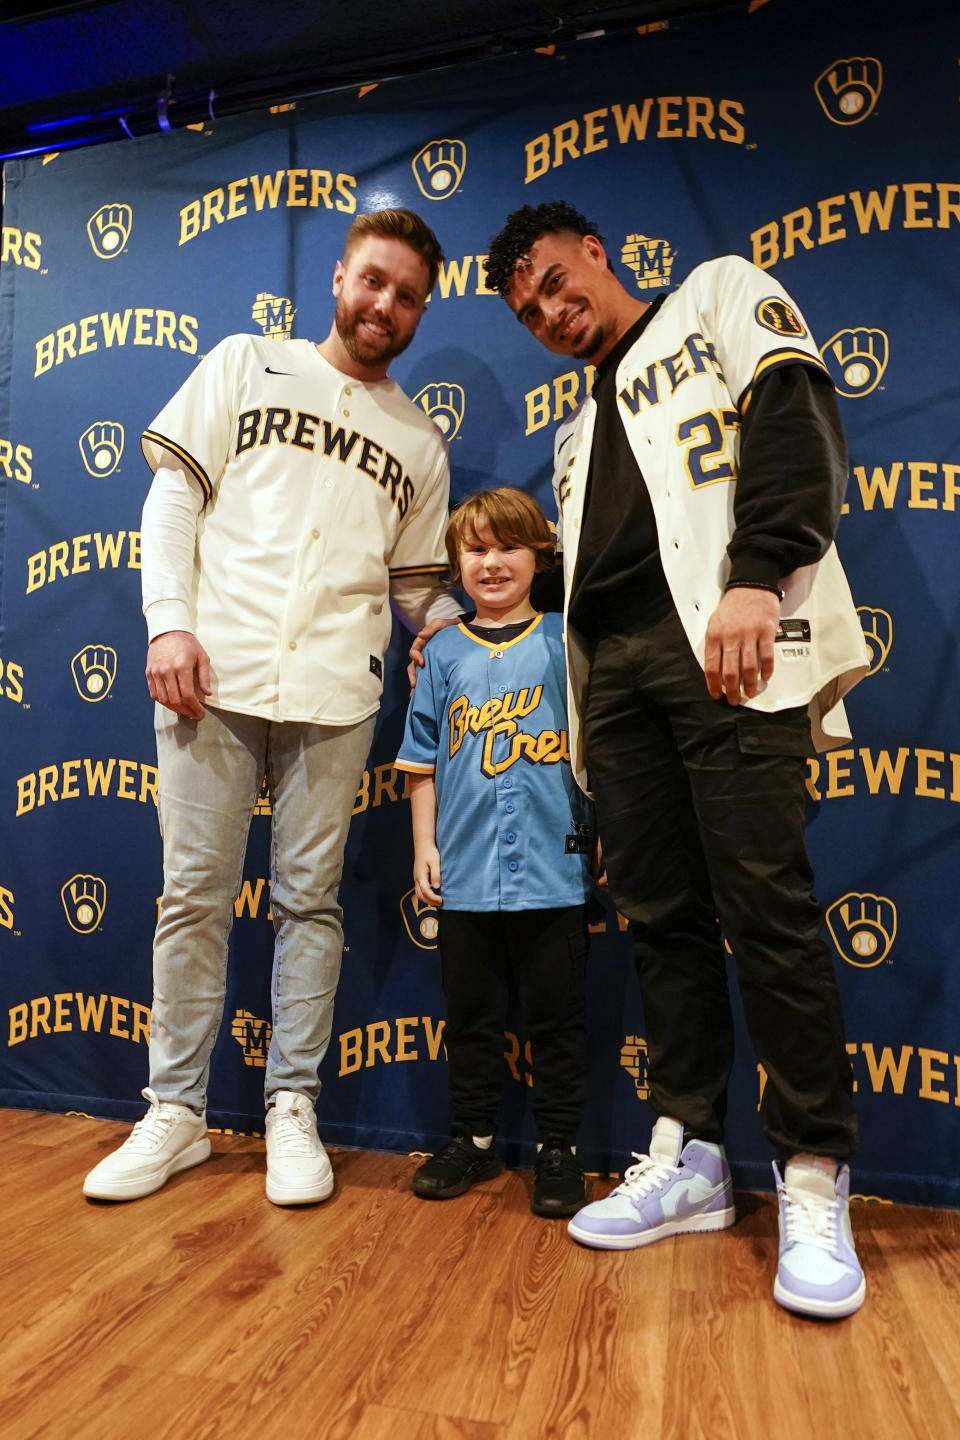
column 753, row 585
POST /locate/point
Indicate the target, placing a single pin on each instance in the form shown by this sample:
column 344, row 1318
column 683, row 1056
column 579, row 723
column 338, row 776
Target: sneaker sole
column 556, row 1211
column 819, row 1309
column 689, row 1225
column 461, row 1187
column 279, row 1194
column 194, row 1154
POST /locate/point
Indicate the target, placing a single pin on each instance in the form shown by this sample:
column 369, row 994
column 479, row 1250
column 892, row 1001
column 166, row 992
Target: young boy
column 502, row 844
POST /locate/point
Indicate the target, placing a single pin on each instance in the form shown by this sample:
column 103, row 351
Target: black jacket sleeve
column 793, row 475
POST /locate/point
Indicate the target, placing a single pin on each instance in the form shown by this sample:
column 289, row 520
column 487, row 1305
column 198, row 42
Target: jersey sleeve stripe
column 418, row 570
column 195, row 468
column 774, row 362
column 414, row 768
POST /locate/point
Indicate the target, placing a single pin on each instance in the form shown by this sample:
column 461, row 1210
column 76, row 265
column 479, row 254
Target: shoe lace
column 153, row 1128
column 646, row 1176
column 810, row 1219
column 294, row 1131
column 556, row 1160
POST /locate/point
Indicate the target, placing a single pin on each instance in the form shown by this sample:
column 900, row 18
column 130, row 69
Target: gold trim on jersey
column 417, row 570
column 195, row 468
column 492, row 644
column 771, row 362
column 413, row 768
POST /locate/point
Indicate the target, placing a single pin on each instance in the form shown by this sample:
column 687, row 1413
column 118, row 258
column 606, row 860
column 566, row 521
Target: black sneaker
column 559, row 1185
column 454, row 1169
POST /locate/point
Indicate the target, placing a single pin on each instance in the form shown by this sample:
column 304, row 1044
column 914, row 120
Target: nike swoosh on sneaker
column 684, row 1199
column 278, row 372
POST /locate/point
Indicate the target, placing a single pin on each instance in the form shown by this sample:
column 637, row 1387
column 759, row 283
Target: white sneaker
column 298, row 1170
column 818, row 1271
column 169, row 1138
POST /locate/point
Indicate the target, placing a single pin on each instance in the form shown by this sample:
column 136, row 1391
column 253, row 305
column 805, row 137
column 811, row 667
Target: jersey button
column 347, row 390
column 303, row 587
column 315, row 534
column 507, row 784
column 511, row 837
column 509, row 807
column 498, row 654
column 293, row 644
column 513, row 864
column 346, row 412
column 328, row 482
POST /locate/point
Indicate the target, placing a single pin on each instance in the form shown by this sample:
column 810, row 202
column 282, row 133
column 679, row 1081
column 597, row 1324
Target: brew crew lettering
column 276, row 423
column 498, row 716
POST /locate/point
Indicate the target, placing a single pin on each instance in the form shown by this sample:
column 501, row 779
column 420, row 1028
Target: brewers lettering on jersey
column 325, row 476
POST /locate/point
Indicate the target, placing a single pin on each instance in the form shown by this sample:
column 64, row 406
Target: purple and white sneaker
column 674, row 1190
column 818, row 1272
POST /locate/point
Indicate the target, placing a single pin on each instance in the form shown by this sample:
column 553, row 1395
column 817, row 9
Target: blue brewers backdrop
column 818, row 141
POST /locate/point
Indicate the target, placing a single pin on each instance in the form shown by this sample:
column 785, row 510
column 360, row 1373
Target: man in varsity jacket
column 711, row 637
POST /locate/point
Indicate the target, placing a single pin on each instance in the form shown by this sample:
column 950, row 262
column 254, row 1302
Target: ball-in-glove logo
column 109, row 230
column 848, row 89
column 877, row 627
column 856, row 360
column 438, row 168
column 84, row 901
column 101, row 446
column 863, row 927
column 94, row 670
column 420, row 920
column 445, row 404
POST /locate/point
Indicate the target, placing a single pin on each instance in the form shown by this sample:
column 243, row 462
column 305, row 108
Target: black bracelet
column 753, row 585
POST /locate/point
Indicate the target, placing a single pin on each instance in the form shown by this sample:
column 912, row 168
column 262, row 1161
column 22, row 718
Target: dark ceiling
column 79, row 73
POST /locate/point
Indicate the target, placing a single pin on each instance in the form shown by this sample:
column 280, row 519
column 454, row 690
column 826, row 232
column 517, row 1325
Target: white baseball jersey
column 681, row 390
column 489, row 721
column 312, row 492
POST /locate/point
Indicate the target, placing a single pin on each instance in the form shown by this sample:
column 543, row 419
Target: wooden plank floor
column 203, row 1311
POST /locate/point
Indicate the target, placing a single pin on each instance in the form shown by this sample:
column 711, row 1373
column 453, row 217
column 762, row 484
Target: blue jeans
column 210, row 774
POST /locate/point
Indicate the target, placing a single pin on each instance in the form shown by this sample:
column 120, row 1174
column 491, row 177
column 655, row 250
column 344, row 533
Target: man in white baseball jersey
column 298, row 494
column 709, row 626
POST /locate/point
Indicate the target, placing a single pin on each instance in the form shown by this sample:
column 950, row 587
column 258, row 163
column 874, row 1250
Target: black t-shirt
column 619, row 584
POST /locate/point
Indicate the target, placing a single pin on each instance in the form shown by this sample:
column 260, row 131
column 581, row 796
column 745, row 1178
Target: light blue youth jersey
column 490, row 722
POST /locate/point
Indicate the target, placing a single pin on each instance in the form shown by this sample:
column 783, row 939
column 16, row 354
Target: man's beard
column 368, row 351
column 590, row 344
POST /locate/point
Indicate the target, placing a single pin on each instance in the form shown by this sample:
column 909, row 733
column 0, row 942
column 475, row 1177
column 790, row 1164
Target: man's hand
column 739, row 649
column 178, row 672
column 426, row 874
column 417, row 644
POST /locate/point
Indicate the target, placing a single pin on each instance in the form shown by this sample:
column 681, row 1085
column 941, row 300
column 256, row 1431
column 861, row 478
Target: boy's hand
column 417, row 644
column 426, row 875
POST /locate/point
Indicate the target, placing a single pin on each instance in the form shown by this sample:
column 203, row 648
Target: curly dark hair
column 523, row 229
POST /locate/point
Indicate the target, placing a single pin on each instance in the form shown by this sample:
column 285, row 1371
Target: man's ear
column 338, row 274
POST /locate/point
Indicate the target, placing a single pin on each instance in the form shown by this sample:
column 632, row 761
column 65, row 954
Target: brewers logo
column 849, row 89
column 101, row 446
column 94, row 670
column 109, row 230
column 445, row 404
column 877, row 627
column 84, row 902
column 863, row 928
column 438, row 168
column 253, row 1036
column 274, row 314
column 633, row 1058
column 856, row 360
column 775, row 314
column 419, row 920
column 650, row 260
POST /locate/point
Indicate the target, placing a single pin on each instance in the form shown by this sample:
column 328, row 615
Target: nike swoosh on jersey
column 278, row 372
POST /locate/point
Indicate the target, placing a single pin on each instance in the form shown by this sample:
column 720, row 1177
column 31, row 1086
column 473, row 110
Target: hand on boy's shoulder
column 417, row 644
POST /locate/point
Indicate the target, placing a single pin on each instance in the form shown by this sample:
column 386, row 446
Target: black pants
column 700, row 809
column 543, row 952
